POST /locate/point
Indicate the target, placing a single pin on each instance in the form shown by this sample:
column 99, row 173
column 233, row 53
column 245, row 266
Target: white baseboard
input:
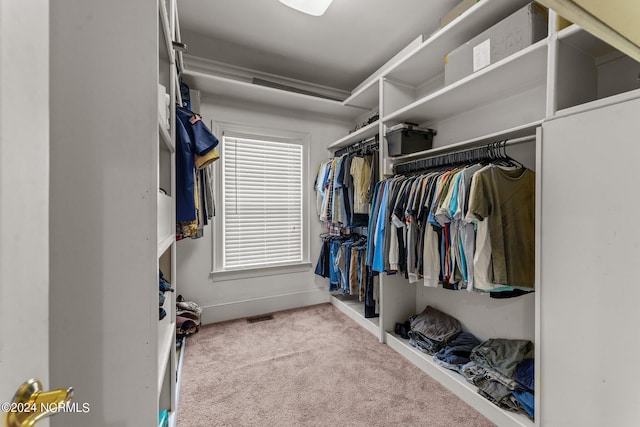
column 258, row 306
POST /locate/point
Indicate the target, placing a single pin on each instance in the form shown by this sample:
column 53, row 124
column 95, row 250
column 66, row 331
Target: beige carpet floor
column 308, row 367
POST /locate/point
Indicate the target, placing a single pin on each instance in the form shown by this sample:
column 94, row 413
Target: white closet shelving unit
column 566, row 73
column 366, row 96
column 168, row 59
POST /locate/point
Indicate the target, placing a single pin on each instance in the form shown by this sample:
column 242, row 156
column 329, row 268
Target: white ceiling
column 339, row 49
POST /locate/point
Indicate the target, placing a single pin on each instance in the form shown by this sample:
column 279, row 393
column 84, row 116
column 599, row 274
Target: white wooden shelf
column 173, row 415
column 224, row 87
column 524, row 69
column 427, row 60
column 166, row 30
column 166, row 226
column 166, row 333
column 598, row 103
column 516, row 132
column 365, row 97
column 581, row 40
column 457, row 384
column 180, row 356
column 355, row 310
column 359, row 135
column 165, row 243
column 165, row 137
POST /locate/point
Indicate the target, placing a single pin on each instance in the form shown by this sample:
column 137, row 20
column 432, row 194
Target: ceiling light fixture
column 310, row 7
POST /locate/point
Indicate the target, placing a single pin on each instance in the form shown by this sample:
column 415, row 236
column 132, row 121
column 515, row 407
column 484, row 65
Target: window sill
column 222, row 276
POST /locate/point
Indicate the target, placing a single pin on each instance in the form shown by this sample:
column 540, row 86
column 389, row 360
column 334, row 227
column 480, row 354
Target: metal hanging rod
column 492, row 151
column 359, row 146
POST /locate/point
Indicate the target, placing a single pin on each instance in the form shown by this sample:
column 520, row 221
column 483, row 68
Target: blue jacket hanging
column 192, row 138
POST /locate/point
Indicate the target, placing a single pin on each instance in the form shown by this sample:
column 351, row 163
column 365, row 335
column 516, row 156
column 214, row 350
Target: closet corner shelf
column 166, row 138
column 598, row 103
column 365, row 97
column 359, row 135
column 524, row 69
column 457, row 384
column 427, row 60
column 274, row 98
column 355, row 310
column 166, row 332
column 515, row 132
column 578, row 38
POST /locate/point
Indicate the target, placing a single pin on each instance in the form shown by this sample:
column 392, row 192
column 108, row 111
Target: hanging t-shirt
column 465, row 229
column 361, row 173
column 507, row 198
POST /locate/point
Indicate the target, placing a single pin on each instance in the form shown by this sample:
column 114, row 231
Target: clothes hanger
column 504, row 159
column 509, row 158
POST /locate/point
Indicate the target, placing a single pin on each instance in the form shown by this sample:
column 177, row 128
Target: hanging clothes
column 195, row 150
column 342, row 190
column 440, row 227
column 342, row 260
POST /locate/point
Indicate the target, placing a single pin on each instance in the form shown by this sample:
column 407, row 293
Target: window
column 262, row 202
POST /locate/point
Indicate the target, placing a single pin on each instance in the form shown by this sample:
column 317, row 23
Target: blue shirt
column 378, row 250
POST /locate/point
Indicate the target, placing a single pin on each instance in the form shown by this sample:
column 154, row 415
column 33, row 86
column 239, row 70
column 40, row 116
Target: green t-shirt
column 507, row 198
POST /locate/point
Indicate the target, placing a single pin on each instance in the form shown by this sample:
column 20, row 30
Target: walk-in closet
column 322, row 213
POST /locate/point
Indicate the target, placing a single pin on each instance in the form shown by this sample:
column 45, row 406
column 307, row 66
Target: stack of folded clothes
column 524, row 391
column 502, row 369
column 432, row 329
column 457, row 352
column 493, row 368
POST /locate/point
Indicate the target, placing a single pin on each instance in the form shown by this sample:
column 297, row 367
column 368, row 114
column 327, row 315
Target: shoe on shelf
column 161, row 298
column 181, row 304
column 163, row 313
column 185, row 326
column 190, row 315
column 403, row 329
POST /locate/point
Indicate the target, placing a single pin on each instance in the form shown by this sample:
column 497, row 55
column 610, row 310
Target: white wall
column 24, row 194
column 228, row 299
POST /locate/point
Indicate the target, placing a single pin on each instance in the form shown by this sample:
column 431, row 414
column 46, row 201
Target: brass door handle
column 31, row 404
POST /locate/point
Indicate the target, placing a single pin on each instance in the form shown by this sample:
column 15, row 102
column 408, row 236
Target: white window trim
column 255, row 132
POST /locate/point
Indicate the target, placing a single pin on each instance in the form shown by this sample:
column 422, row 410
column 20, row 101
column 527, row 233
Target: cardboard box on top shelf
column 562, row 23
column 517, row 31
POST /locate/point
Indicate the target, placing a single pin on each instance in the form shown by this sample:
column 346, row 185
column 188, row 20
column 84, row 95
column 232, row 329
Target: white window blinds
column 262, row 202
